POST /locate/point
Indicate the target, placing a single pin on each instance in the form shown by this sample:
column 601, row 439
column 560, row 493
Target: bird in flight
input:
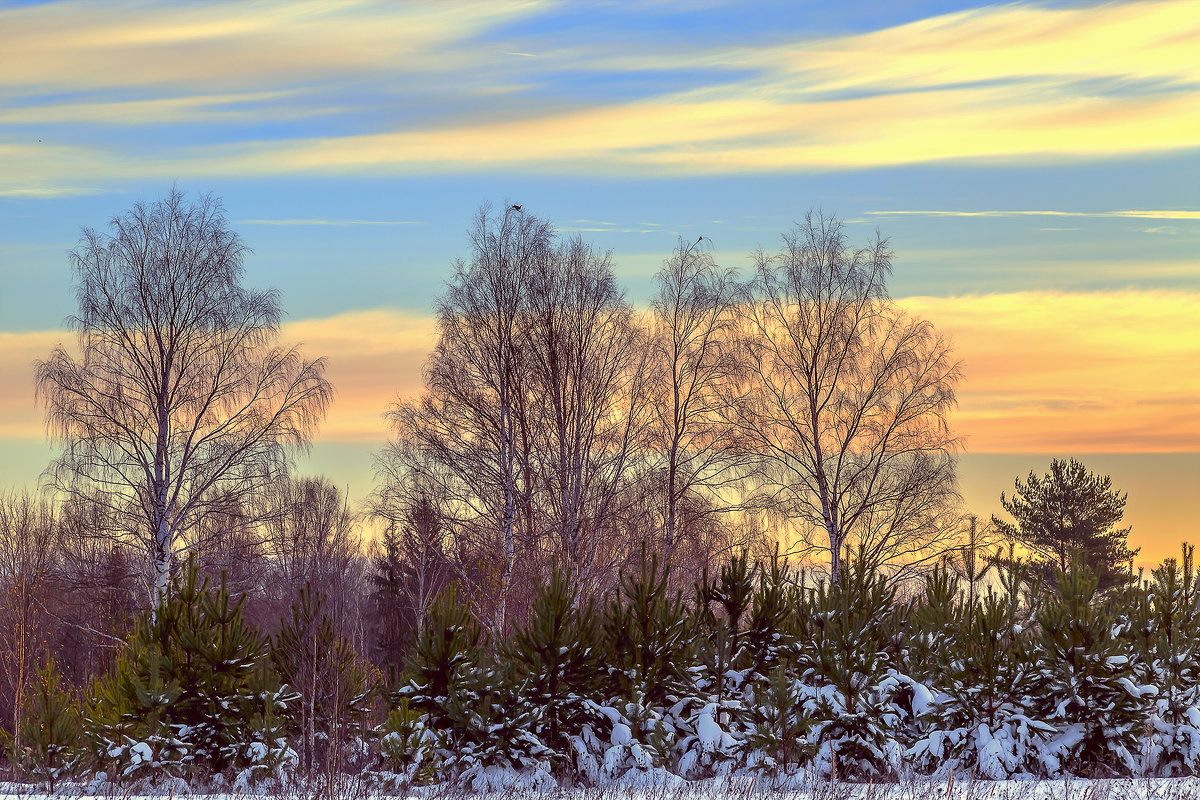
column 516, row 208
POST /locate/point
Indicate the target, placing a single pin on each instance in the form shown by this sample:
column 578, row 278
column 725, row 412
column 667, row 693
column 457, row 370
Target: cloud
column 1018, row 81
column 373, row 356
column 48, row 191
column 228, row 45
column 1128, row 214
column 1045, row 372
column 330, row 222
column 1075, row 372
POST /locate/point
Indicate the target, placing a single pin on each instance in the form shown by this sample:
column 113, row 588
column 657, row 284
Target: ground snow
column 799, row 787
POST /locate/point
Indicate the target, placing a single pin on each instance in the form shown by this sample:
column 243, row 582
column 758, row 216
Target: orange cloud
column 1090, row 372
column 372, row 357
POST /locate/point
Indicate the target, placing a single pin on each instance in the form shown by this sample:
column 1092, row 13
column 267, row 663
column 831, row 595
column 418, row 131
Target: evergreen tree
column 1085, row 673
column 193, row 691
column 980, row 657
column 845, row 658
column 1070, row 511
column 49, row 743
column 1166, row 636
column 557, row 656
column 449, row 646
column 324, row 670
column 481, row 713
column 648, row 637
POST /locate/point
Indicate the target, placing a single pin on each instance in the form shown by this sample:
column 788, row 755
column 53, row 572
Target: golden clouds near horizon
column 1091, row 372
column 1045, row 372
column 372, row 357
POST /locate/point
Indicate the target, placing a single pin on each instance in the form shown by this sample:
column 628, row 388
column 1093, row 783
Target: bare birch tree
column 468, row 422
column 694, row 363
column 848, row 402
column 29, row 554
column 179, row 396
column 587, row 377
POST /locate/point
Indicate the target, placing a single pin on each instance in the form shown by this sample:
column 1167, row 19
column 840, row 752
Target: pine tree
column 324, row 670
column 648, row 637
column 1085, row 672
column 845, row 658
column 1067, row 513
column 980, row 657
column 481, row 715
column 778, row 736
column 1166, row 635
column 649, row 643
column 193, row 691
column 448, row 647
column 556, row 655
column 50, row 737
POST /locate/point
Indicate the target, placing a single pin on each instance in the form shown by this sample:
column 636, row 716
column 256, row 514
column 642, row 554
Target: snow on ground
column 733, row 789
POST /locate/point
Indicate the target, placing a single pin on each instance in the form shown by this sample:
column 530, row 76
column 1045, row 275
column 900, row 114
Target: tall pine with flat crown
column 1070, row 512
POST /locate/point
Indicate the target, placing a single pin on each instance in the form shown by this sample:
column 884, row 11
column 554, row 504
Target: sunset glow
column 1034, row 165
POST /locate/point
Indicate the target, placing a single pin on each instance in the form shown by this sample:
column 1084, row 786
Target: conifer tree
column 1085, row 674
column 49, row 743
column 1166, row 636
column 448, row 647
column 648, row 637
column 193, row 691
column 981, row 660
column 845, row 655
column 324, row 670
column 1067, row 513
column 557, row 656
column 648, row 647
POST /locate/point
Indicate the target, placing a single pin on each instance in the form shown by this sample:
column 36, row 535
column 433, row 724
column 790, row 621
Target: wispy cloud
column 1017, row 81
column 331, row 222
column 1183, row 214
column 48, row 191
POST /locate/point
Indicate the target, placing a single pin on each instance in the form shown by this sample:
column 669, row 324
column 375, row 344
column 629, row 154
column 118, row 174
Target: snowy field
column 736, row 789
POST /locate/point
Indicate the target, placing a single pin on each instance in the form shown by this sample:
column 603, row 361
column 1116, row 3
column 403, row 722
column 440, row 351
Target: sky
column 1035, row 166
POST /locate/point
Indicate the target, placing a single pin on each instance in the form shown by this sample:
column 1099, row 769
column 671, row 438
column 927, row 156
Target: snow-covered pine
column 48, row 745
column 323, row 669
column 193, row 693
column 1165, row 631
column 1087, row 689
column 648, row 651
column 980, row 658
column 845, row 659
column 556, row 657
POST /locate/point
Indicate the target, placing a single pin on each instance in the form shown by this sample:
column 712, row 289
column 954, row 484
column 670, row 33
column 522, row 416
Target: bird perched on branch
column 516, row 208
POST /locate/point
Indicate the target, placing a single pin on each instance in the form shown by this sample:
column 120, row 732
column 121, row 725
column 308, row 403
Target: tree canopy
column 1069, row 511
